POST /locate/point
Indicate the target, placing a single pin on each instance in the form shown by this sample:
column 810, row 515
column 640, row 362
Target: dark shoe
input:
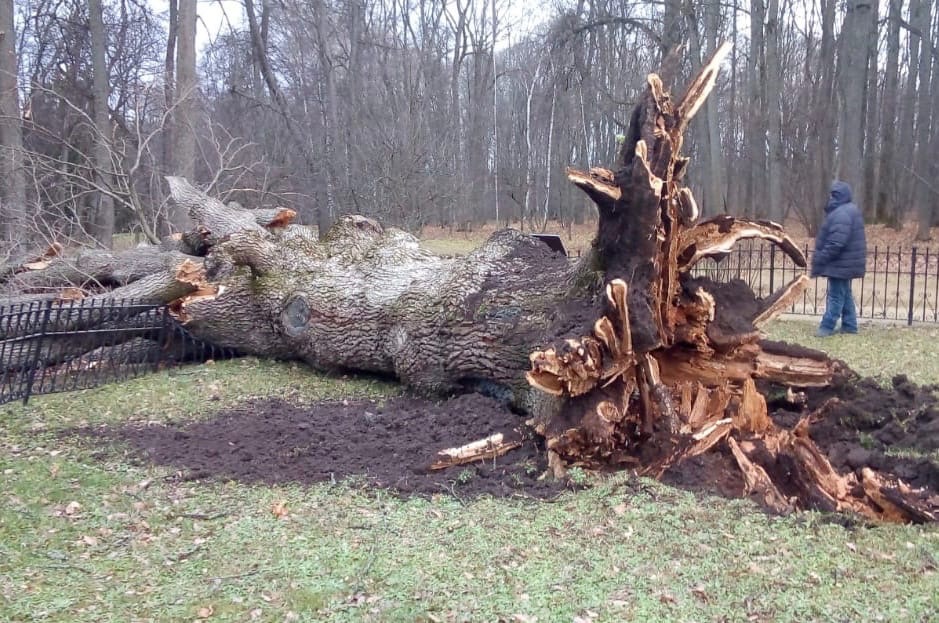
column 848, row 331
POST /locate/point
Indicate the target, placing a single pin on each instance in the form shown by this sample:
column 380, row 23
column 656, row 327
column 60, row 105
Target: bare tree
column 12, row 177
column 886, row 203
column 103, row 226
column 852, row 77
column 184, row 115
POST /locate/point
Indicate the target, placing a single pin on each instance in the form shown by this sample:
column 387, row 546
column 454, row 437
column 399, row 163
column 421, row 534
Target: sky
column 212, row 18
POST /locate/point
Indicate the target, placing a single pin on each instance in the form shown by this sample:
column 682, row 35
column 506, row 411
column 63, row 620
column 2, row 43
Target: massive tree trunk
column 623, row 359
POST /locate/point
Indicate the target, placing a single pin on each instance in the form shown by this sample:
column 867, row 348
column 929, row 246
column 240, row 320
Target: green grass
column 87, row 535
column 879, row 350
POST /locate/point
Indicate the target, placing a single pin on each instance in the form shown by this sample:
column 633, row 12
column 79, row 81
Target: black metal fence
column 901, row 284
column 48, row 347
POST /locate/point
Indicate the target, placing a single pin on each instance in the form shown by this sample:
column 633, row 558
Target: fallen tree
column 622, row 359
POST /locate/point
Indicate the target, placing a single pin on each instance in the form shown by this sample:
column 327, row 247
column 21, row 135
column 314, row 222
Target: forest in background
column 421, row 112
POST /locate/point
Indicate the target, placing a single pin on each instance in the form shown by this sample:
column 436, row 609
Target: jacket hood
column 840, row 194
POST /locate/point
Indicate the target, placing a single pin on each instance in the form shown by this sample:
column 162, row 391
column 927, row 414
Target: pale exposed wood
column 599, row 187
column 896, row 504
column 758, row 481
column 490, row 447
column 751, row 415
column 718, row 235
column 701, row 87
column 782, row 300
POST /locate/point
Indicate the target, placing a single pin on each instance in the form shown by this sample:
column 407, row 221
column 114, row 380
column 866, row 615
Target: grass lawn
column 88, row 535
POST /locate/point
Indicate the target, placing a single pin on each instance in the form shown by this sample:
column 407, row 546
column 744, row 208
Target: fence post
column 31, row 375
column 772, row 269
column 909, row 312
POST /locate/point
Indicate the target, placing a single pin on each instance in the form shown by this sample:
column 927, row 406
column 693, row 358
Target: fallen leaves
column 699, row 592
column 205, row 612
column 279, row 509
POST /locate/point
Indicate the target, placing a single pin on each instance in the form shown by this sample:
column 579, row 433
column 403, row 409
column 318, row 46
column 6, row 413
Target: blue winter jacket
column 840, row 247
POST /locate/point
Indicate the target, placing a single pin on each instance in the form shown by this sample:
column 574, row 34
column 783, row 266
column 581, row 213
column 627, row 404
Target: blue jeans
column 839, row 305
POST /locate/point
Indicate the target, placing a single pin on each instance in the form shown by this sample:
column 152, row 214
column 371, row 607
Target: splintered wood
column 490, row 447
column 667, row 369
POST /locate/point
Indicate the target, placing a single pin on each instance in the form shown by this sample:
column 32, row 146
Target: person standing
column 840, row 255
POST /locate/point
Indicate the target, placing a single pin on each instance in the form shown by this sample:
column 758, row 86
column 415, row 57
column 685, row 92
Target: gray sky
column 212, row 18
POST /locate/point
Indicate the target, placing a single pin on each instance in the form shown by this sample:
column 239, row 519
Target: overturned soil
column 858, row 424
column 388, row 444
column 391, row 443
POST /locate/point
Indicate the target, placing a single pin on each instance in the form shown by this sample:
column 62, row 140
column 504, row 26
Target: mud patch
column 388, row 444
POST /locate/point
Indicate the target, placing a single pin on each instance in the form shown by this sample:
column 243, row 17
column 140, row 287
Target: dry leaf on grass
column 279, row 509
column 205, row 612
column 698, row 591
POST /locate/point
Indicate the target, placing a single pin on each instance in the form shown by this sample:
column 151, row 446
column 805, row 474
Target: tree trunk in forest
column 184, row 114
column 756, row 130
column 12, row 175
column 103, row 224
column 333, row 154
column 623, row 359
column 772, row 106
column 869, row 138
column 825, row 120
column 169, row 83
column 852, row 77
column 887, row 206
column 907, row 146
column 923, row 193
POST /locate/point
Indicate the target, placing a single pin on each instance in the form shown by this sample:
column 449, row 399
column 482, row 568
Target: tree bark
column 169, row 84
column 852, row 77
column 887, row 205
column 184, row 114
column 772, row 105
column 756, row 121
column 923, row 192
column 103, row 225
column 12, row 174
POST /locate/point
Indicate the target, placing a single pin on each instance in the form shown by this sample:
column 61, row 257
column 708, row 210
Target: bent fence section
column 48, row 346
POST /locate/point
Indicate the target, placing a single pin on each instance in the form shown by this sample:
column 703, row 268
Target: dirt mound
column 892, row 429
column 389, row 444
column 888, row 429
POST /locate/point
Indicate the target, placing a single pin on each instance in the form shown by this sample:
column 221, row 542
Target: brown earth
column 387, row 444
column 391, row 443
